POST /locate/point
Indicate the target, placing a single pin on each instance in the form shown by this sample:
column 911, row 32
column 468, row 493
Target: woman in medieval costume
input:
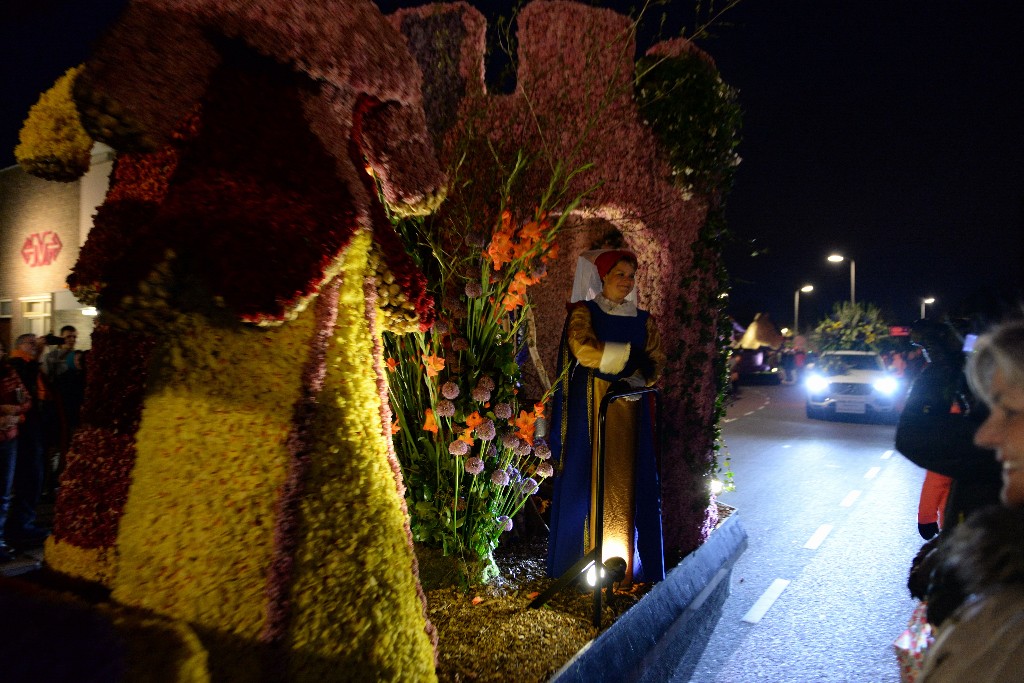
column 606, row 340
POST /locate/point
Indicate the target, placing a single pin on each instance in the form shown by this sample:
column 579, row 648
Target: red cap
column 606, row 261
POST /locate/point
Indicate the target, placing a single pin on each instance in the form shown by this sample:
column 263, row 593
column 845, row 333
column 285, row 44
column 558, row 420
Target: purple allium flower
column 545, row 470
column 492, row 451
column 444, row 408
column 459, row 344
column 541, row 449
column 474, row 465
column 450, row 390
column 529, row 487
column 523, row 449
column 473, row 290
column 458, row 447
column 510, row 441
column 505, row 522
column 499, row 478
column 485, row 430
column 441, row 327
column 485, row 382
column 480, row 394
column 476, row 239
column 503, row 411
column 513, row 475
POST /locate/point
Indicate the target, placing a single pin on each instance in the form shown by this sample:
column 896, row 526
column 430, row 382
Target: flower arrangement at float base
column 467, row 444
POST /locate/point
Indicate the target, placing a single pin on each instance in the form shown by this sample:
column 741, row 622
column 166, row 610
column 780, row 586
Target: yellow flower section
column 53, row 144
column 91, row 564
column 197, row 533
column 356, row 614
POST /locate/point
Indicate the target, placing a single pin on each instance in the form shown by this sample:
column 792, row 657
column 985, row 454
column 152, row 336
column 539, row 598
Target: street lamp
column 796, row 307
column 838, row 258
column 925, row 302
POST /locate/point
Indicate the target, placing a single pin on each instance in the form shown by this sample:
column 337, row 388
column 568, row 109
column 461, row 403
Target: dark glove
column 928, row 531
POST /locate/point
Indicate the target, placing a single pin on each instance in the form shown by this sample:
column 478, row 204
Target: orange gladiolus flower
column 532, row 231
column 467, row 436
column 474, row 420
column 396, row 427
column 430, row 424
column 392, row 364
column 519, row 249
column 538, row 410
column 512, row 301
column 523, row 280
column 433, row 364
column 550, row 253
column 500, row 250
column 526, row 426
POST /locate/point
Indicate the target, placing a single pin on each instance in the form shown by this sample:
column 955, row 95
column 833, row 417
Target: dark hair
column 68, row 328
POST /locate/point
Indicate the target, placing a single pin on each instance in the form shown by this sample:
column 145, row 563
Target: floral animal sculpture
column 235, row 472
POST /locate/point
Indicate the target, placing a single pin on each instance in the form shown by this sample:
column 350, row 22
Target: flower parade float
column 236, row 480
column 234, row 477
column 648, row 150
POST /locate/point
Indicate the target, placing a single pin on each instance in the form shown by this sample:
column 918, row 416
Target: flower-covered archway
column 576, row 103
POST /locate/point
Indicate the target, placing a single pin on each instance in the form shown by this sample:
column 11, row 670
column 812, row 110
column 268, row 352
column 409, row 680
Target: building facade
column 42, row 226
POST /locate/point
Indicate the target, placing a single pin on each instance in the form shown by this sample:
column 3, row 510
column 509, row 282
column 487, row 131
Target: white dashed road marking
column 818, row 537
column 872, row 473
column 887, row 455
column 765, row 602
column 850, row 499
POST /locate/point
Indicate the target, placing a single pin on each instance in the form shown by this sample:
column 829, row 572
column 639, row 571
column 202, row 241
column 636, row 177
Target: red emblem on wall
column 41, row 248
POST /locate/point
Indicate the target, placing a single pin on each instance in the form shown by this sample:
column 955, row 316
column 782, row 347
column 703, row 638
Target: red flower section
column 121, row 247
column 94, row 487
column 239, row 210
column 118, row 371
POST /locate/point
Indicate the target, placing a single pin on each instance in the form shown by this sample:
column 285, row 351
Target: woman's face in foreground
column 618, row 283
column 1003, row 432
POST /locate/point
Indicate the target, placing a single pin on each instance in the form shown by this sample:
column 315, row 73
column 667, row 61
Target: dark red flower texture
column 103, row 449
column 118, row 372
column 255, row 206
column 87, row 515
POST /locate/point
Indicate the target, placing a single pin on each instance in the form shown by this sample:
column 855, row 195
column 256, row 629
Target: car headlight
column 886, row 386
column 816, row 384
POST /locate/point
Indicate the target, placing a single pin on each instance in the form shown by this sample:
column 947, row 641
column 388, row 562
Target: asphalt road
column 831, row 513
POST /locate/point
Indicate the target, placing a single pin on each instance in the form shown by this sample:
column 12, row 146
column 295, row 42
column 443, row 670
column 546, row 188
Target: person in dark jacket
column 937, row 425
column 14, row 402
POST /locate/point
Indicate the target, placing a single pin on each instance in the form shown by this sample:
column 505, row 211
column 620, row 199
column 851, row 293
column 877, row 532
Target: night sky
column 891, row 132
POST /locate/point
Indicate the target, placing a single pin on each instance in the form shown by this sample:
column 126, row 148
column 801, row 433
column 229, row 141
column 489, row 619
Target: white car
column 851, row 383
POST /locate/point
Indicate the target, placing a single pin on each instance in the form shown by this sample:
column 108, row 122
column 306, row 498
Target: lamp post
column 925, row 302
column 796, row 307
column 839, row 258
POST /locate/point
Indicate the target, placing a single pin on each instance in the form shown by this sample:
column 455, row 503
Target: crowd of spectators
column 42, row 384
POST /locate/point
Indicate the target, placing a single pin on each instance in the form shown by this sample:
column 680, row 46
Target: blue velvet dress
column 573, row 430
